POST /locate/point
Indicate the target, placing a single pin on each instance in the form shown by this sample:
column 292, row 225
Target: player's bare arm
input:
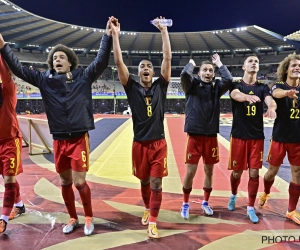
column 241, row 97
column 166, row 49
column 272, row 106
column 280, row 93
column 123, row 72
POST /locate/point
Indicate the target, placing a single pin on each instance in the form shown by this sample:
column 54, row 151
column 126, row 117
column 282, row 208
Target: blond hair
column 284, row 65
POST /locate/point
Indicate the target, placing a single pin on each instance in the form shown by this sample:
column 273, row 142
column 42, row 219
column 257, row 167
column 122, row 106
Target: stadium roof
column 24, row 30
column 294, row 36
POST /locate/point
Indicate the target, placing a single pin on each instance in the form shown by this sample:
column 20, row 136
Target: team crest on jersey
column 234, row 163
column 251, row 93
column 148, row 100
column 295, row 103
column 69, row 77
column 11, row 171
column 84, row 165
column 189, row 156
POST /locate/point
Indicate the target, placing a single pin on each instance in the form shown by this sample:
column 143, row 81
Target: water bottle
column 163, row 22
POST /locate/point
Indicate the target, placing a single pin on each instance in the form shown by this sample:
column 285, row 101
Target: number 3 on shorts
column 12, row 162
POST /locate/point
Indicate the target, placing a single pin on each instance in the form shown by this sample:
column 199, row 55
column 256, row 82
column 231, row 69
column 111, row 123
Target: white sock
column 250, row 208
column 233, row 195
column 19, row 204
column 5, row 218
column 204, row 202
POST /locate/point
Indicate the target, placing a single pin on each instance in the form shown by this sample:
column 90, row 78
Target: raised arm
column 33, row 77
column 166, row 49
column 225, row 74
column 123, row 72
column 96, row 68
column 186, row 76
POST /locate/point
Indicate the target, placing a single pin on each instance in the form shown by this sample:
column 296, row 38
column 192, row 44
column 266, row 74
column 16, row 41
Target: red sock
column 18, row 196
column 86, row 198
column 9, row 198
column 69, row 198
column 207, row 192
column 253, row 184
column 186, row 194
column 294, row 192
column 155, row 202
column 268, row 185
column 234, row 184
column 146, row 193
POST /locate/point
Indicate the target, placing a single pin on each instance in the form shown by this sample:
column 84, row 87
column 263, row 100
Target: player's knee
column 237, row 174
column 9, row 179
column 65, row 182
column 79, row 181
column 272, row 172
column 190, row 174
column 208, row 171
column 156, row 183
column 296, row 173
column 253, row 173
column 191, row 170
column 145, row 182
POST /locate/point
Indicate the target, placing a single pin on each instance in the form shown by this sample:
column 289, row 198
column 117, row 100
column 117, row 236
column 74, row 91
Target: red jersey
column 9, row 126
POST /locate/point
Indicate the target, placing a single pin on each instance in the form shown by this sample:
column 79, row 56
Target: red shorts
column 278, row 150
column 245, row 154
column 204, row 146
column 72, row 154
column 10, row 157
column 149, row 158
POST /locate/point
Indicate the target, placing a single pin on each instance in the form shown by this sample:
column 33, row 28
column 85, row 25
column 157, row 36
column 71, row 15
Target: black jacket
column 68, row 102
column 202, row 106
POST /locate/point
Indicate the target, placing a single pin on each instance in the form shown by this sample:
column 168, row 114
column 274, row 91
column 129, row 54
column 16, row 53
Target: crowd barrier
column 36, row 135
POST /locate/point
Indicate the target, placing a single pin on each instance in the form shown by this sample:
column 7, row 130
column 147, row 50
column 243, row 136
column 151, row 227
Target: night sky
column 280, row 16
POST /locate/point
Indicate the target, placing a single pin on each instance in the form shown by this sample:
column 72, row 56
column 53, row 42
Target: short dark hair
column 146, row 60
column 254, row 55
column 206, row 62
column 72, row 57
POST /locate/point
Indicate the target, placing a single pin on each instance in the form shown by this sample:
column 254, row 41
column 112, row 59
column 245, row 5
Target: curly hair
column 72, row 57
column 284, row 65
